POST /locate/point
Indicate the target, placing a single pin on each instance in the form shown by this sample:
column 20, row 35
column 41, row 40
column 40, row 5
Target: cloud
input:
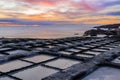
column 57, row 10
column 114, row 13
column 113, row 10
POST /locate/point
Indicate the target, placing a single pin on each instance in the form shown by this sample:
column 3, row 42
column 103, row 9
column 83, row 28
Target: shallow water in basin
column 35, row 73
column 6, row 67
column 62, row 63
column 40, row 58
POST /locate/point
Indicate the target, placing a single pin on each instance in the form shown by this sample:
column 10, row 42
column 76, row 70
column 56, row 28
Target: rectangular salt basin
column 4, row 49
column 38, row 48
column 94, row 44
column 6, row 78
column 64, row 52
column 112, row 46
column 69, row 44
column 35, row 73
column 104, row 73
column 50, row 46
column 12, row 65
column 103, row 50
column 84, row 55
column 11, row 44
column 39, row 58
column 47, row 43
column 27, row 46
column 107, row 48
column 84, row 48
column 73, row 50
column 62, row 63
column 92, row 52
column 60, row 45
column 17, row 52
column 89, row 46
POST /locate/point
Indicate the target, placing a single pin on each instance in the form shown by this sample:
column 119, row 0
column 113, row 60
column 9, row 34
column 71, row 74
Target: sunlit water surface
column 52, row 31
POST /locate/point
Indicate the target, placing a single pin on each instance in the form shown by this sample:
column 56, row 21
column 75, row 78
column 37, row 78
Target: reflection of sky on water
column 54, row 31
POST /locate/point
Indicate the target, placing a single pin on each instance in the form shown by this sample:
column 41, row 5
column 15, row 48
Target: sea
column 44, row 31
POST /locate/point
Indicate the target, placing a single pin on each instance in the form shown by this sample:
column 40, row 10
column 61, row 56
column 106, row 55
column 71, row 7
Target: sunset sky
column 15, row 12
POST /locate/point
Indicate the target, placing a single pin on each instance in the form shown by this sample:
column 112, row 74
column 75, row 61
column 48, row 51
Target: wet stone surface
column 104, row 73
column 2, row 54
column 117, row 60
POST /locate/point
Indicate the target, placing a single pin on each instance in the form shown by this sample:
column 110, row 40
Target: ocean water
column 44, row 31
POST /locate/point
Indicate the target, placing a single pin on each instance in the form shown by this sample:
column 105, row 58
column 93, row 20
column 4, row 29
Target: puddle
column 35, row 73
column 6, row 67
column 62, row 63
column 39, row 58
column 17, row 52
column 104, row 73
column 85, row 56
column 91, row 52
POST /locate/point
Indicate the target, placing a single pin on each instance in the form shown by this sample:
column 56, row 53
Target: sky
column 36, row 12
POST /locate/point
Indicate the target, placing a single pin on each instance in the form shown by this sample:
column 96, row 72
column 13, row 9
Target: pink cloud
column 92, row 5
column 43, row 2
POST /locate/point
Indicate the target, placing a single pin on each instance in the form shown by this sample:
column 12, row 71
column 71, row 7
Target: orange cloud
column 46, row 17
column 42, row 2
column 3, row 15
